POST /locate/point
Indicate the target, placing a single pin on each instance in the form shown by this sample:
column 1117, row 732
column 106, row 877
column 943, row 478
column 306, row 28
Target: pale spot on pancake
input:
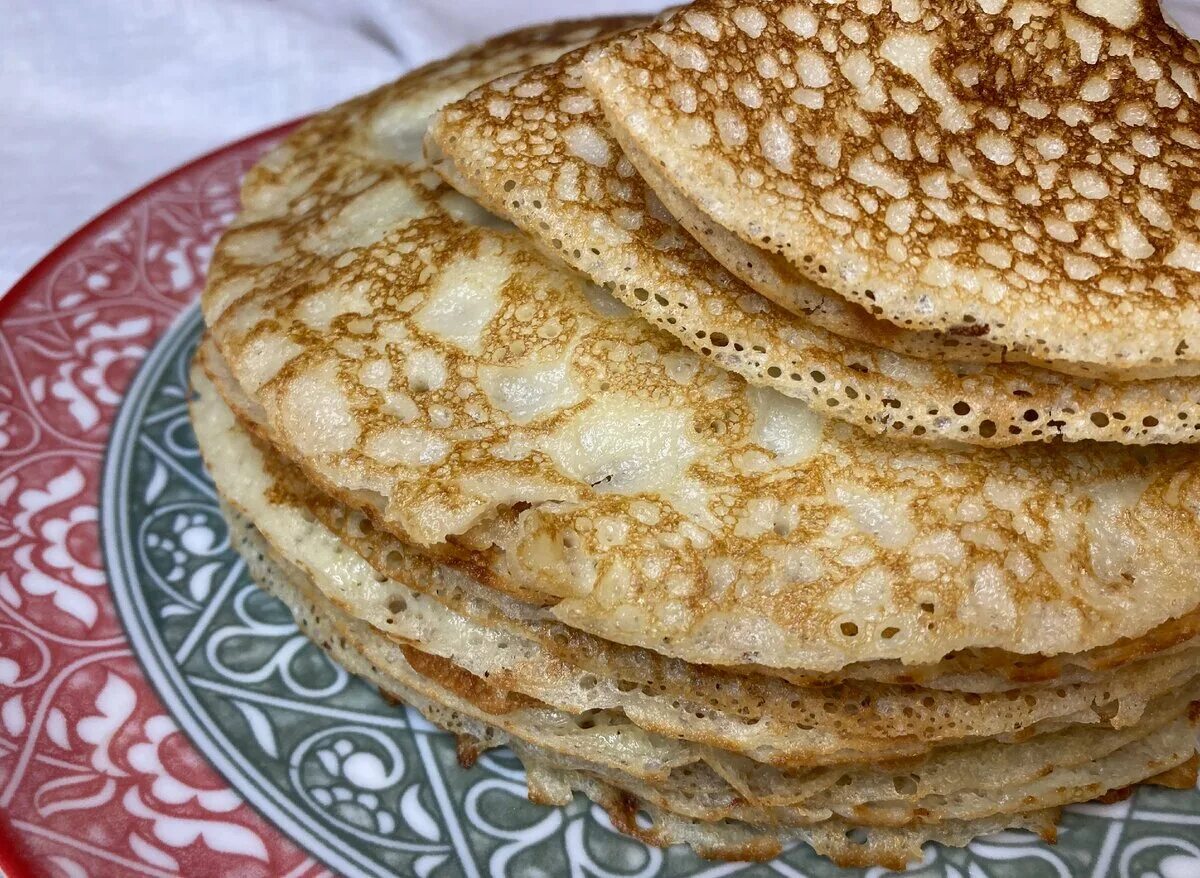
column 730, row 126
column 786, row 427
column 799, row 20
column 314, row 411
column 1080, row 267
column 912, row 54
column 828, row 150
column 566, row 185
column 682, row 53
column 577, row 104
column 899, row 215
column 996, row 255
column 996, row 147
column 425, row 370
column 1155, row 214
column 532, row 390
column 529, row 89
column 812, row 69
column 376, row 374
column 1134, row 114
column 585, row 142
column 624, row 445
column 908, row 10
column 1185, row 255
column 703, row 24
column 1155, row 176
column 464, row 299
column 775, row 140
column 318, row 310
column 1034, row 107
column 1086, row 36
column 748, row 93
column 366, row 218
column 1096, row 88
column 989, row 601
column 1088, row 183
column 1060, row 230
column 864, row 169
column 807, row 97
column 1131, row 241
column 499, row 108
column 750, row 21
column 407, row 446
column 1050, row 147
column 897, row 141
column 1122, row 14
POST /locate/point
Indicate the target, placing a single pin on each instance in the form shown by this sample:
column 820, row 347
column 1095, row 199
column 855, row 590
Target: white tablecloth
column 99, row 96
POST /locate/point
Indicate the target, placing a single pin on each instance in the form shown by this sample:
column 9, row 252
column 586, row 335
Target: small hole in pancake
column 849, row 629
column 1100, row 419
column 987, row 429
column 889, row 632
column 397, row 605
column 1149, row 421
column 962, row 408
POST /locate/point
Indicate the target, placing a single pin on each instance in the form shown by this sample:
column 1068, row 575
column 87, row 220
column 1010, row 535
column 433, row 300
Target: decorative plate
column 160, row 716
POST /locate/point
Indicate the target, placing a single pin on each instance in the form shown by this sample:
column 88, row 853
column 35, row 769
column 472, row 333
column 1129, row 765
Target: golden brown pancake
column 1027, row 172
column 535, row 149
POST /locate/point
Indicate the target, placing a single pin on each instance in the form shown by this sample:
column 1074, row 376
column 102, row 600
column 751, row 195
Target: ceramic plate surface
column 160, row 716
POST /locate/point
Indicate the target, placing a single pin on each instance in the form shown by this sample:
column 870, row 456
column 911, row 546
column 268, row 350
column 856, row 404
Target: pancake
column 766, row 720
column 972, row 671
column 773, row 277
column 535, row 148
column 1026, row 175
column 357, row 648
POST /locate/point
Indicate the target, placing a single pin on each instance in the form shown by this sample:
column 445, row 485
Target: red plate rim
column 34, row 274
column 12, row 865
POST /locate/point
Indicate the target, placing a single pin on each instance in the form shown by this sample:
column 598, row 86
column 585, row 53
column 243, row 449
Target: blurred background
column 100, row 96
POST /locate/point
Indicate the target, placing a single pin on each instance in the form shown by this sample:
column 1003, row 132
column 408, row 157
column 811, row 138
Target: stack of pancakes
column 771, row 421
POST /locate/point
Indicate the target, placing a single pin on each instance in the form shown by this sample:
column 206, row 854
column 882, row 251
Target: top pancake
column 418, row 359
column 534, row 148
column 1027, row 171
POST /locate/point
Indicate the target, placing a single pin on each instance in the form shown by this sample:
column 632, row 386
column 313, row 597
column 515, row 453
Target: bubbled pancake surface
column 1025, row 171
column 571, row 749
column 772, row 276
column 462, row 575
column 535, row 148
column 410, row 355
column 765, row 720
